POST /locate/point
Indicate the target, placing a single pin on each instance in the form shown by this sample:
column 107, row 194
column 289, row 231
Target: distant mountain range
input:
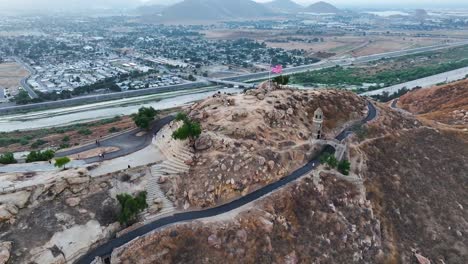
column 284, row 6
column 209, row 10
column 215, row 10
column 321, row 8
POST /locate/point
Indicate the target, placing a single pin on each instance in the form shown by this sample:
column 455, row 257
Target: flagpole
column 269, row 75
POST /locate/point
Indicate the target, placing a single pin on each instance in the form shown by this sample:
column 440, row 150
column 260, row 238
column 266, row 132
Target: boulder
column 47, row 256
column 214, row 241
column 203, row 142
column 291, row 258
column 73, row 201
column 5, row 249
column 242, row 235
column 78, row 180
column 421, row 259
column 7, row 212
column 261, row 161
column 271, row 165
column 19, row 199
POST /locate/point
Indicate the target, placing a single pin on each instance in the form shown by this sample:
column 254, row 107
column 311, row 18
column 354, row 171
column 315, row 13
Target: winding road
column 106, row 249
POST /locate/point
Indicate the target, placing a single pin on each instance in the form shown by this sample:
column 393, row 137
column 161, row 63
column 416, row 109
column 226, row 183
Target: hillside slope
column 284, row 6
column 253, row 139
column 215, row 10
column 322, row 8
column 446, row 103
column 404, row 199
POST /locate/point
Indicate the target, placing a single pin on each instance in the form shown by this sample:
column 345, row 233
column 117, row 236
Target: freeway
column 106, row 249
column 344, row 62
column 24, row 81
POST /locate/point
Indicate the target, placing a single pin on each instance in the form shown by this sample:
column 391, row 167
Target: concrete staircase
column 176, row 153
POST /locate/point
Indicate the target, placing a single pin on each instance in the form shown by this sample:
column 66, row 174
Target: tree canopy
column 61, row 162
column 190, row 129
column 131, row 207
column 144, row 117
column 40, row 155
column 7, row 158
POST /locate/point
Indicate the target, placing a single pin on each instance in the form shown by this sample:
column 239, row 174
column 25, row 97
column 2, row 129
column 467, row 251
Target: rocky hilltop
column 404, row 200
column 252, row 139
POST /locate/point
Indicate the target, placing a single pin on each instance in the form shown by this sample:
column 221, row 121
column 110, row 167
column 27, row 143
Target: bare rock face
column 214, row 241
column 203, row 142
column 73, row 201
column 5, row 248
column 7, row 212
column 19, row 199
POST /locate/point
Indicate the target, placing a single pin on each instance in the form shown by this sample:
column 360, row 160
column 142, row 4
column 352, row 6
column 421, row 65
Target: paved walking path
column 106, row 249
column 127, row 143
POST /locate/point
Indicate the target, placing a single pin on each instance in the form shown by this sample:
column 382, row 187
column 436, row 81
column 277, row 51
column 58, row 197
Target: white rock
column 73, row 201
column 5, row 248
column 19, row 199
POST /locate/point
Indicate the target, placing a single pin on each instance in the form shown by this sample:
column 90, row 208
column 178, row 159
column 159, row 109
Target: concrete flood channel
column 102, row 110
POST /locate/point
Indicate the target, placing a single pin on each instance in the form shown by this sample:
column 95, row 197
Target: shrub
column 113, row 130
column 66, row 139
column 40, row 156
column 7, row 158
column 85, row 131
column 38, row 143
column 281, row 80
column 131, row 207
column 344, row 166
column 329, row 159
column 61, row 162
column 190, row 129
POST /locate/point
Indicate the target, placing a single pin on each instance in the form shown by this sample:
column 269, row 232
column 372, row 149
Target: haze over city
column 71, row 5
column 233, row 131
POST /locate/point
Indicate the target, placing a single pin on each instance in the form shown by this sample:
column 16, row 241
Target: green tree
column 22, row 98
column 344, row 166
column 40, row 156
column 329, row 159
column 62, row 162
column 190, row 129
column 281, row 80
column 7, row 158
column 144, row 117
column 130, row 207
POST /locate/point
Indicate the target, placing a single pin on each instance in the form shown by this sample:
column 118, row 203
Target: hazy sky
column 82, row 4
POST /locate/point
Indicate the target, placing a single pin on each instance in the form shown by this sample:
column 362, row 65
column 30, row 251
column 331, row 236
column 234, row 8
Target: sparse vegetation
column 281, row 80
column 85, row 131
column 190, row 129
column 7, row 158
column 387, row 71
column 144, row 117
column 38, row 143
column 131, row 207
column 344, row 166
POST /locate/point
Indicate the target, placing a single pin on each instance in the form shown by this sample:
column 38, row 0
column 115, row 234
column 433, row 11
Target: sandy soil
column 11, row 74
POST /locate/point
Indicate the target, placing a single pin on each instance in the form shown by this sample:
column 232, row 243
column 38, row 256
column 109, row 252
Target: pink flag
column 277, row 69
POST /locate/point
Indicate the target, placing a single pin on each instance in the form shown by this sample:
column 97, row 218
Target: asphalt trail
column 106, row 249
